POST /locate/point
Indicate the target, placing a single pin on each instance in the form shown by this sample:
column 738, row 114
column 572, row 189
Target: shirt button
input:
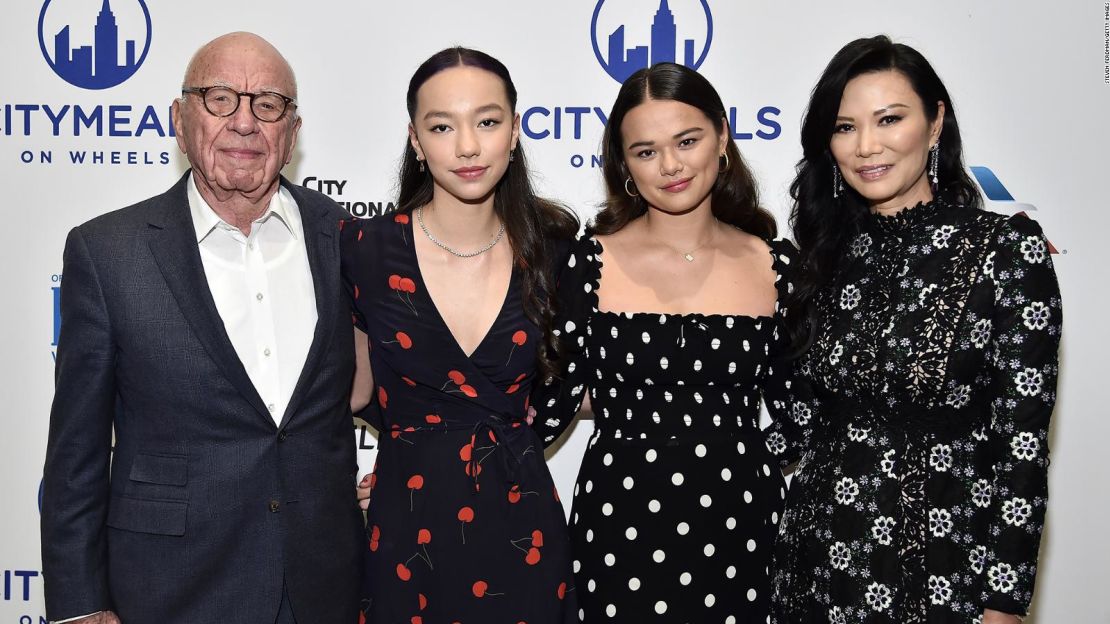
column 274, row 506
column 258, row 296
column 250, row 245
column 266, row 352
column 270, row 407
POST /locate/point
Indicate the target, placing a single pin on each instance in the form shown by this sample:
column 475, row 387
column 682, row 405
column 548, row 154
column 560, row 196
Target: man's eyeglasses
column 223, row 102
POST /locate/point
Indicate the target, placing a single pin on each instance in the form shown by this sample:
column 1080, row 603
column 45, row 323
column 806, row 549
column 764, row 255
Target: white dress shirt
column 262, row 286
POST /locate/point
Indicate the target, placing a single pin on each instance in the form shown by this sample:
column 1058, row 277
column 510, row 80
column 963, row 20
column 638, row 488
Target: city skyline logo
column 94, row 49
column 684, row 40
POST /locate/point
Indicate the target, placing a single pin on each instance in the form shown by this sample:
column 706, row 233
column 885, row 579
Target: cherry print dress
column 677, row 500
column 464, row 523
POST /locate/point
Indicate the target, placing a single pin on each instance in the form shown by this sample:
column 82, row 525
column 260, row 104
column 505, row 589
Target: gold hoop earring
column 725, row 168
column 626, row 190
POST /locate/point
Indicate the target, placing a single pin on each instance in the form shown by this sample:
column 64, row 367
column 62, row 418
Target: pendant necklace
column 689, row 255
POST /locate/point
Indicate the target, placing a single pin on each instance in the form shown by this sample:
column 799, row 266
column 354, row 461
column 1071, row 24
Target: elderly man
column 207, row 326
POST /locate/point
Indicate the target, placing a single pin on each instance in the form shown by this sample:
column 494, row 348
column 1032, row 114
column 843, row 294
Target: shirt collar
column 205, row 219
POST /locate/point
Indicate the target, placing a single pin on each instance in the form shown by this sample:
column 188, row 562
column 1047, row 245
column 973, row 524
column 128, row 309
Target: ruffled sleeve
column 787, row 394
column 556, row 401
column 353, row 247
column 1026, row 337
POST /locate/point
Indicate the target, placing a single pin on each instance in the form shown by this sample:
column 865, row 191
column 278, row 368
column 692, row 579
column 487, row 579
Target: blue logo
column 103, row 63
column 1000, row 197
column 622, row 58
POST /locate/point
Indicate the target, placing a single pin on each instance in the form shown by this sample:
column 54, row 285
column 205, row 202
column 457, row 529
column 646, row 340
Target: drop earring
column 934, row 164
column 421, row 164
column 838, row 182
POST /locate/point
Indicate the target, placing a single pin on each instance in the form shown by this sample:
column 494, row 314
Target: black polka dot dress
column 677, row 501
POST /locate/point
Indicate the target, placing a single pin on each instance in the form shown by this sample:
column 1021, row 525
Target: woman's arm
column 363, row 384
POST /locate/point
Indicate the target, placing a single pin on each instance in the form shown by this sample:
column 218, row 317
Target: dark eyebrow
column 677, row 136
column 881, row 111
column 488, row 108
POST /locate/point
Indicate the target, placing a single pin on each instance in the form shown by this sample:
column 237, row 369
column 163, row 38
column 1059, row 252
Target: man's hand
column 104, row 617
column 990, row 616
column 363, row 490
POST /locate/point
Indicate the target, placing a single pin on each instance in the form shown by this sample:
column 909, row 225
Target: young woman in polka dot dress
column 464, row 524
column 670, row 320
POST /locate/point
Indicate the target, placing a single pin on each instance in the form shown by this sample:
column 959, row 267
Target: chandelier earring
column 838, row 182
column 934, row 164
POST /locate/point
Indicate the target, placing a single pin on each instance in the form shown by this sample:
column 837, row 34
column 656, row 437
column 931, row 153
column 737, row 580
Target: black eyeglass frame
column 203, row 93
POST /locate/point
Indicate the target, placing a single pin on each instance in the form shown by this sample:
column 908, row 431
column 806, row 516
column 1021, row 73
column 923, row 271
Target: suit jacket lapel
column 177, row 254
column 320, row 239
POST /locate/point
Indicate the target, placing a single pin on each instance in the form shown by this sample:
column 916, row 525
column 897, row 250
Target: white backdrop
column 1029, row 81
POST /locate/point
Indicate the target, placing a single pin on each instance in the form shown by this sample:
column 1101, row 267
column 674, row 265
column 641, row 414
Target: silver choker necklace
column 454, row 252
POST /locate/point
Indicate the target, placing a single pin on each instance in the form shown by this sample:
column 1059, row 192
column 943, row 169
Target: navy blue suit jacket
column 206, row 507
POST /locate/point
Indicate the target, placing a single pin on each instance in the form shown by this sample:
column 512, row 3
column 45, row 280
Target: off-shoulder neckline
column 594, row 278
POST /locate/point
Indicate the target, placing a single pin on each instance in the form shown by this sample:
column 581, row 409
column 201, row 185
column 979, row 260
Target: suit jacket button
column 274, row 506
column 282, row 436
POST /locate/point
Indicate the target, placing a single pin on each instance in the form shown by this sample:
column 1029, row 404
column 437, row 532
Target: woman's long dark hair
column 735, row 197
column 532, row 224
column 823, row 225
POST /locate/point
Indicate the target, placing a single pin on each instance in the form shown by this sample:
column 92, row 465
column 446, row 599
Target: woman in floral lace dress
column 922, row 410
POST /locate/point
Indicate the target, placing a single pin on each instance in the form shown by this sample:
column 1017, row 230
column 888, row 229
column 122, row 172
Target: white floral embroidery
column 776, row 443
column 941, row 236
column 981, row 333
column 988, row 265
column 940, row 590
column 846, row 491
column 1029, row 382
column 840, row 556
column 940, row 457
column 1016, row 511
column 940, row 522
column 887, row 464
column 1033, row 250
column 802, row 414
column 960, row 396
column 835, row 353
column 857, row 434
column 1025, row 446
column 1002, row 578
column 978, row 559
column 878, row 596
column 883, row 530
column 849, row 297
column 1035, row 315
column 861, row 245
column 925, row 292
column 981, row 492
column 836, row 616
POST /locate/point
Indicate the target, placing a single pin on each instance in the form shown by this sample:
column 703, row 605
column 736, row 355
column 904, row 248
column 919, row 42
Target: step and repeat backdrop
column 86, row 88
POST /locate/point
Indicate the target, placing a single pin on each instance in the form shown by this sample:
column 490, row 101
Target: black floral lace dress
column 923, row 410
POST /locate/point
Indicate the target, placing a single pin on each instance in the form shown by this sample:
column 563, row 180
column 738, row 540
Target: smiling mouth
column 678, row 185
column 873, row 172
column 469, row 173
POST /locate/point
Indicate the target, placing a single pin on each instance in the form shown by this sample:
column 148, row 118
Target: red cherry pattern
column 423, row 413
